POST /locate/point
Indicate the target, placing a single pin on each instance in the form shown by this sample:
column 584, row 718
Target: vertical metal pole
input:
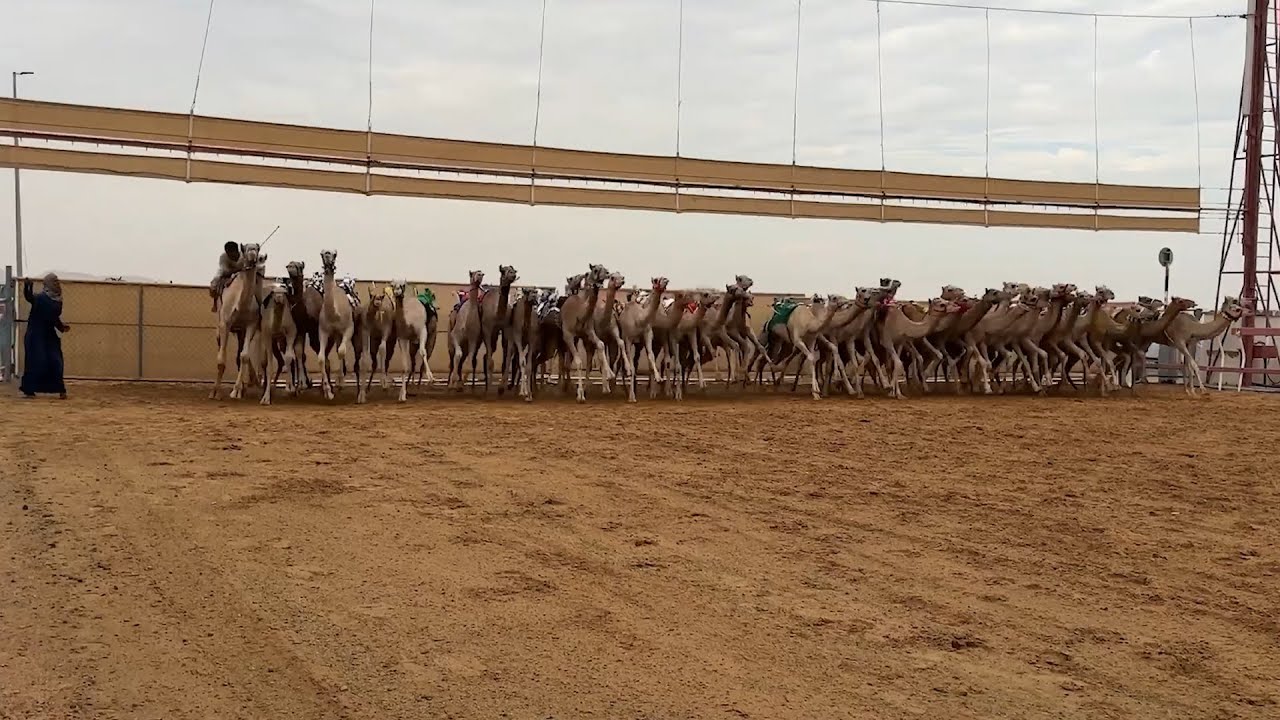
column 141, row 345
column 1256, row 74
column 17, row 194
column 8, row 336
column 1166, row 284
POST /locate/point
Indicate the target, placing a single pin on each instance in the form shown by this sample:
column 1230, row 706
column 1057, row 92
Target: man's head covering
column 232, row 249
column 53, row 286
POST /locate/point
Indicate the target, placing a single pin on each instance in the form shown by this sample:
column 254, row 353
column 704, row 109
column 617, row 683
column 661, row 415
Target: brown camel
column 519, row 338
column 337, row 326
column 279, row 340
column 494, row 308
column 239, row 312
column 379, row 334
column 409, row 327
column 464, row 331
column 577, row 327
column 304, row 303
column 898, row 330
column 635, row 325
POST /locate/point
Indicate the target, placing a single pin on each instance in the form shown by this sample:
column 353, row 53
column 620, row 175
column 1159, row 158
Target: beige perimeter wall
column 167, row 332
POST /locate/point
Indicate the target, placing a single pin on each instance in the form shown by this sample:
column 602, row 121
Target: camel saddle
column 462, row 297
column 782, row 309
column 428, row 299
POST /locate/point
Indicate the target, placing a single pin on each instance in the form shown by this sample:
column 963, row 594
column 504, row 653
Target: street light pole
column 17, row 186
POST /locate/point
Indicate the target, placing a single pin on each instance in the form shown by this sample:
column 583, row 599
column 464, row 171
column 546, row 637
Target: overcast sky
column 469, row 70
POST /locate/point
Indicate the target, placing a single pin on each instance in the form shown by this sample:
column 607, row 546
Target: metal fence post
column 8, row 328
column 140, row 330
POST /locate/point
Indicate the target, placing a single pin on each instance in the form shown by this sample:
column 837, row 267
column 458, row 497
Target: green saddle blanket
column 427, row 298
column 782, row 309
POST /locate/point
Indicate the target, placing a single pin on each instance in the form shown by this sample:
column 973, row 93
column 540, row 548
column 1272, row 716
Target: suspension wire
column 1097, row 148
column 679, row 90
column 368, row 166
column 986, row 153
column 1195, row 88
column 880, row 99
column 1075, row 13
column 195, row 91
column 795, row 109
column 537, row 106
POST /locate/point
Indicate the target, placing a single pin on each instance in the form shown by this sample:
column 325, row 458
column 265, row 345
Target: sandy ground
column 164, row 556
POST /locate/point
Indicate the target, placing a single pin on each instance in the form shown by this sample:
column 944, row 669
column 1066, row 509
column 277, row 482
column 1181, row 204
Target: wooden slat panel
column 312, row 179
column 350, row 145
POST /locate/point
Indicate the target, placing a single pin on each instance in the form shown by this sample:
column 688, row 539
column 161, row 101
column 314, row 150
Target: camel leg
column 245, row 359
column 630, row 369
column 221, row 360
column 267, row 381
column 899, row 373
column 402, row 344
column 580, row 368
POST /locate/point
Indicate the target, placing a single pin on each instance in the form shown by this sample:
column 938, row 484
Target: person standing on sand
column 42, row 346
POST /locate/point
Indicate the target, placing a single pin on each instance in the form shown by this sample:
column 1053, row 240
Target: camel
column 738, row 329
column 1185, row 332
column 337, row 326
column 662, row 327
column 635, row 325
column 380, row 334
column 519, row 338
column 239, row 312
column 409, row 327
column 493, row 318
column 686, row 334
column 899, row 330
column 1154, row 318
column 711, row 333
column 847, row 326
column 465, row 331
column 960, row 332
column 279, row 340
column 427, row 298
column 801, row 331
column 304, row 302
column 605, row 319
column 577, row 327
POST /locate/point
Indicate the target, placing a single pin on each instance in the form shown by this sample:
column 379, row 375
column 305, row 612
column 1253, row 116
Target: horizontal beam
column 165, row 130
column 201, row 170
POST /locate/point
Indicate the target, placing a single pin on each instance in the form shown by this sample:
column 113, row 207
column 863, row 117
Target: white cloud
column 469, row 70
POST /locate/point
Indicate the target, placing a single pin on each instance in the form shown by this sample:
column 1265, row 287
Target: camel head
column 476, row 277
column 507, row 275
column 1016, row 289
column 573, row 283
column 890, row 287
column 1232, row 308
column 941, row 306
column 1179, row 304
column 529, row 295
column 280, row 292
column 251, row 253
column 1104, row 291
column 329, row 260
column 617, row 280
column 747, row 298
column 743, row 282
column 397, row 290
column 1061, row 291
column 294, row 269
column 951, row 292
column 991, row 295
column 598, row 274
column 865, row 297
column 659, row 284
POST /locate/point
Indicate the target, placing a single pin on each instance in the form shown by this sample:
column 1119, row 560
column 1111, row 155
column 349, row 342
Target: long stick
column 264, row 242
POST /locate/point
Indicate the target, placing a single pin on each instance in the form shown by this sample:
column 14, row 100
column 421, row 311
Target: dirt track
column 164, row 556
